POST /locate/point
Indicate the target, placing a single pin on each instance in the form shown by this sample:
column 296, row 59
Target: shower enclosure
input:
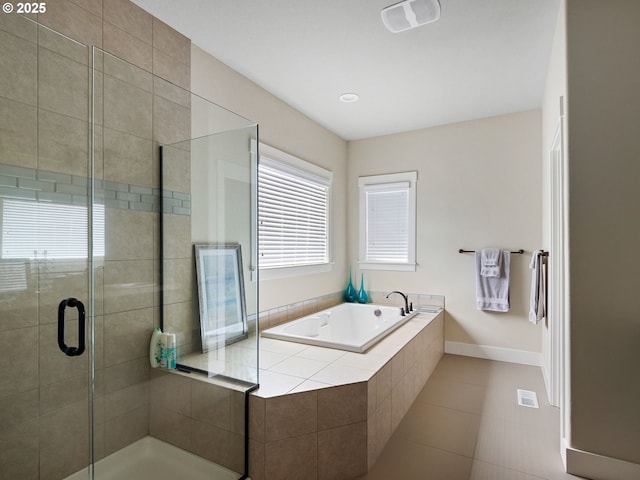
column 82, row 278
column 214, row 312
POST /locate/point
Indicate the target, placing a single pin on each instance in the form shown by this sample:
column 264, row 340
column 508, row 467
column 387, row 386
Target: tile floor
column 466, row 425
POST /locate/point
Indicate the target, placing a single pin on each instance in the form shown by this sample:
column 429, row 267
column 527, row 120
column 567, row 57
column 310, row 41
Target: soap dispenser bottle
column 171, row 351
column 155, row 347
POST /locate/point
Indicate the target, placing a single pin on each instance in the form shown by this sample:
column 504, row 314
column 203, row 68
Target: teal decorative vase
column 362, row 295
column 350, row 293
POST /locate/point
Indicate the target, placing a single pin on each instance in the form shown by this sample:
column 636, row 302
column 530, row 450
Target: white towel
column 490, row 260
column 492, row 293
column 537, row 305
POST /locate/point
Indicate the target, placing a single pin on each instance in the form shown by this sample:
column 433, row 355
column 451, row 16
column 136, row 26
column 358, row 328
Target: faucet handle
column 411, row 307
column 402, row 313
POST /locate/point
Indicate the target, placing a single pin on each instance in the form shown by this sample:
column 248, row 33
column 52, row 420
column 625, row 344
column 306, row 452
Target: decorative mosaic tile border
column 43, row 186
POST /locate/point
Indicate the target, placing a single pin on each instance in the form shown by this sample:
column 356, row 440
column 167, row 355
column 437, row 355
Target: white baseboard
column 598, row 467
column 524, row 357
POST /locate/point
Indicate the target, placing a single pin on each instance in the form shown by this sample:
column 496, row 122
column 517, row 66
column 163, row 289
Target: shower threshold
column 153, row 459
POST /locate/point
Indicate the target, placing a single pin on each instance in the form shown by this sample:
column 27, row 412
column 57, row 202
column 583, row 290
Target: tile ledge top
column 336, row 372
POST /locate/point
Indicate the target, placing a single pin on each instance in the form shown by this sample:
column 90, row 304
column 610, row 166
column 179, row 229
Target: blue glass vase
column 350, row 293
column 362, row 295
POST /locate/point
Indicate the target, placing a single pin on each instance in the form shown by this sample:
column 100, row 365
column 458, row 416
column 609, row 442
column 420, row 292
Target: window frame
column 378, row 182
column 293, row 165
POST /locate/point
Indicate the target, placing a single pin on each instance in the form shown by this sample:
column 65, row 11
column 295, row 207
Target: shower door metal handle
column 71, row 351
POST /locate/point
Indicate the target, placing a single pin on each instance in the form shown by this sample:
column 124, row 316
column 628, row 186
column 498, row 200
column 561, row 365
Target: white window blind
column 49, row 230
column 387, row 228
column 293, row 213
column 13, row 275
column 388, row 221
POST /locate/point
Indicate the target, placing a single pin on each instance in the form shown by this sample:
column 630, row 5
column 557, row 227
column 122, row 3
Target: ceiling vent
column 410, row 14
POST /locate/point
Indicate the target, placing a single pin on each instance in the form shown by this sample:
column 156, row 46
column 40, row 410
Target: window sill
column 399, row 267
column 287, row 272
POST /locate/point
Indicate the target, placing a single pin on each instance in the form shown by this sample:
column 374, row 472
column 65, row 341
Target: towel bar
column 461, row 250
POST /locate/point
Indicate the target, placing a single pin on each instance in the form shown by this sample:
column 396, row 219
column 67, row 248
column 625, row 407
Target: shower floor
column 153, row 459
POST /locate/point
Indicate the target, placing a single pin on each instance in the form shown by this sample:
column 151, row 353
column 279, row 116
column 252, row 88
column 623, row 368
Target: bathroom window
column 293, row 215
column 388, row 221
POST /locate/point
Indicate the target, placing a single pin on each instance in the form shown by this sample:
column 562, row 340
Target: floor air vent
column 527, row 398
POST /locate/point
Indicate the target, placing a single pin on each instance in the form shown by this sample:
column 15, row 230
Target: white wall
column 604, row 194
column 478, row 186
column 285, row 128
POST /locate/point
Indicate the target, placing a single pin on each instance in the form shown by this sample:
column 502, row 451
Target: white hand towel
column 490, row 260
column 492, row 293
column 537, row 304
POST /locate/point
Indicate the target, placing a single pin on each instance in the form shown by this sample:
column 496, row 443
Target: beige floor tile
column 404, row 459
column 510, row 375
column 464, row 369
column 452, row 394
column 533, row 450
column 466, row 424
column 450, row 430
column 487, row 471
column 504, row 404
column 555, row 471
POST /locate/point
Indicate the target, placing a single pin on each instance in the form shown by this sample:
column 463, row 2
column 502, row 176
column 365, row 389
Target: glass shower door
column 46, row 253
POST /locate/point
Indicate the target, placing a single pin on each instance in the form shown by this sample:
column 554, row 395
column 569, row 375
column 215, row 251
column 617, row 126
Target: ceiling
column 482, row 58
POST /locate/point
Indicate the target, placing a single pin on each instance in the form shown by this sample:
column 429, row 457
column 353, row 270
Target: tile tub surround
column 326, row 414
column 240, row 358
column 200, row 415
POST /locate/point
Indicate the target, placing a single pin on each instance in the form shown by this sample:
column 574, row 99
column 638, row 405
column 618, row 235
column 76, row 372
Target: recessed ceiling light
column 349, row 97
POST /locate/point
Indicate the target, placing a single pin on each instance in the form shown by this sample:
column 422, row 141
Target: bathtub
column 153, row 459
column 349, row 326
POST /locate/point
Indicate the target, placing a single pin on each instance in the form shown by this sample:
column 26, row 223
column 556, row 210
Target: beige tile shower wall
column 44, row 111
column 338, row 433
column 198, row 416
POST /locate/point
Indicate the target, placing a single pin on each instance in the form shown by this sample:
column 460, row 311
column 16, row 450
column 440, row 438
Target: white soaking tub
column 349, row 326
